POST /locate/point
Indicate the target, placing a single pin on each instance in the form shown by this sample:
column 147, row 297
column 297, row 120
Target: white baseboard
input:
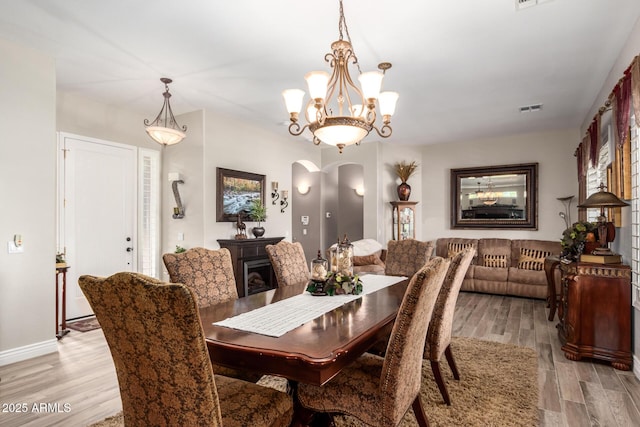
column 636, row 366
column 28, row 351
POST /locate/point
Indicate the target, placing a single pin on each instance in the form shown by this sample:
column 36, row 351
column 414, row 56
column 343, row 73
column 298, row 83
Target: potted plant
column 258, row 213
column 404, row 171
column 576, row 238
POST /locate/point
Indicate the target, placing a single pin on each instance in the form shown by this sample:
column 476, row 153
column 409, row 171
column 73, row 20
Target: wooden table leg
column 550, row 265
column 57, row 305
column 61, row 328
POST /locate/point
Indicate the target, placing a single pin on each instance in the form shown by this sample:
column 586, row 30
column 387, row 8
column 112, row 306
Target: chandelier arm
column 295, row 129
column 385, row 131
column 165, row 117
column 173, row 119
column 371, row 115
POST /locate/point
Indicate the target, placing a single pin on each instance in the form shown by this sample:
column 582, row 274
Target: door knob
column 129, row 249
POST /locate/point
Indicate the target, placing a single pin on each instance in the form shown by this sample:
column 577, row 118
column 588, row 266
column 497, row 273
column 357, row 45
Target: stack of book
column 601, row 259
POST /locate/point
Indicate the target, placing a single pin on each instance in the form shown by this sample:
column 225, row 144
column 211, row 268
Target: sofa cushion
column 541, row 245
column 373, row 259
column 454, row 249
column 442, row 245
column 527, row 283
column 496, row 261
column 532, row 259
column 494, row 247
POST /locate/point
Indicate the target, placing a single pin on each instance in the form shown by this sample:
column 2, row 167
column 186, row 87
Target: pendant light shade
column 164, row 129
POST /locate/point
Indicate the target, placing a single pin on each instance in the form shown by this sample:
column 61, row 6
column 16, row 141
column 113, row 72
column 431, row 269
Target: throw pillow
column 454, row 249
column 372, row 259
column 532, row 259
column 499, row 261
column 366, row 247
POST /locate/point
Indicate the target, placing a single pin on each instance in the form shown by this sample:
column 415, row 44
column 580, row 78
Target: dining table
column 313, row 352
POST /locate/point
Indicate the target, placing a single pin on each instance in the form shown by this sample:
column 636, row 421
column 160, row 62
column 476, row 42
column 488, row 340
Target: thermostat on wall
column 304, row 219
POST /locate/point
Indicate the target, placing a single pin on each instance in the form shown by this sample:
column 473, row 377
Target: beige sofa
column 501, row 266
column 504, row 266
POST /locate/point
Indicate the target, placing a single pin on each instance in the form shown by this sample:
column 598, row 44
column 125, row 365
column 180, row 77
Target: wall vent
column 531, row 108
column 524, row 4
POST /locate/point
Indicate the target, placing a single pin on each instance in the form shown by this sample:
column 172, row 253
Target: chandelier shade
column 338, row 112
column 164, row 129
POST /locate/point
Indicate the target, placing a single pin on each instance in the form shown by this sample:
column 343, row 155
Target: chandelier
column 490, row 197
column 164, row 129
column 339, row 113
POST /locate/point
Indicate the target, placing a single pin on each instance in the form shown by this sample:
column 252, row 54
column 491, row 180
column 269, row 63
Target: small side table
column 62, row 331
column 551, row 263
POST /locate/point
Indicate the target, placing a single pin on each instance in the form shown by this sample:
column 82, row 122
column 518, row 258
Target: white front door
column 97, row 229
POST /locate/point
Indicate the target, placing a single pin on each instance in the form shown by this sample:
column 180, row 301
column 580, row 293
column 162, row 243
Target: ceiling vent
column 531, row 108
column 524, row 4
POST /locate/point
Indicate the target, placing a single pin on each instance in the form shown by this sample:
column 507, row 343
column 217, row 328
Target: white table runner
column 280, row 317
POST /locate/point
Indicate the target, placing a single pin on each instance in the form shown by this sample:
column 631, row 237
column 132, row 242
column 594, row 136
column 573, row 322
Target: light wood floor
column 82, row 375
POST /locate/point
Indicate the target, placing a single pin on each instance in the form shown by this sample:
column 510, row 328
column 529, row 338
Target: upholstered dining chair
column 289, row 263
column 209, row 274
column 379, row 391
column 438, row 340
column 155, row 335
column 405, row 257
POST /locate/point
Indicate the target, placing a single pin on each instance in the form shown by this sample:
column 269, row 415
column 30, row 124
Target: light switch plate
column 13, row 249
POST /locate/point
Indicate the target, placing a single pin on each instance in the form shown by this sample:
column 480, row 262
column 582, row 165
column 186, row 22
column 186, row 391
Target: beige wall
column 235, row 144
column 85, row 117
column 553, row 151
column 28, row 188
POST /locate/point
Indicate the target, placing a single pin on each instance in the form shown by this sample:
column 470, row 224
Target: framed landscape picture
column 235, row 190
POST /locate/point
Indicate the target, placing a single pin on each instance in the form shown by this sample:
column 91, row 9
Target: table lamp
column 606, row 231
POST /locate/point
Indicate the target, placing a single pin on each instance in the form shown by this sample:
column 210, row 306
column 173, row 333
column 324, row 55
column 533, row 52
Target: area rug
column 84, row 325
column 498, row 387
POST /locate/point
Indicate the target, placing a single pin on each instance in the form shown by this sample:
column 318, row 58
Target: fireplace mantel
column 244, row 250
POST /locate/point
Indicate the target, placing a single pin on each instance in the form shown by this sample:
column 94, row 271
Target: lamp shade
column 603, row 199
column 164, row 135
column 371, row 82
column 293, row 100
column 317, row 82
column 388, row 103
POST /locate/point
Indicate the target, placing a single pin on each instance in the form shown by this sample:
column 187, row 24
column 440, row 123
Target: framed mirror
column 495, row 197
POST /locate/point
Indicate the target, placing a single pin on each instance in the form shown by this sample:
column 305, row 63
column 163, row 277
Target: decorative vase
column 258, row 231
column 404, row 191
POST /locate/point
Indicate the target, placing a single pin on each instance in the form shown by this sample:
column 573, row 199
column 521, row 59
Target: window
column 149, row 209
column 598, row 175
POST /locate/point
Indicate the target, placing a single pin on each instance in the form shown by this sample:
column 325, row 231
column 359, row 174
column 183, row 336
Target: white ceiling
column 463, row 69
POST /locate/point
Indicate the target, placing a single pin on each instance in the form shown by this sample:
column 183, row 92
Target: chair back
column 158, row 347
column 207, row 272
column 402, row 368
column 440, row 326
column 406, row 257
column 289, row 263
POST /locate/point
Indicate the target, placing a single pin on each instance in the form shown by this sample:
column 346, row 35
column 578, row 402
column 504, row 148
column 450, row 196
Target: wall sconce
column 359, row 191
column 274, row 192
column 303, row 188
column 178, row 210
column 284, row 203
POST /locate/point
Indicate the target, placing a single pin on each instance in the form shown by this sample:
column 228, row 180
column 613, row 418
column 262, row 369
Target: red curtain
column 635, row 87
column 594, row 141
column 621, row 108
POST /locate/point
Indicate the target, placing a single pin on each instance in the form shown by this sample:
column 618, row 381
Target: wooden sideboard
column 595, row 312
column 248, row 255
